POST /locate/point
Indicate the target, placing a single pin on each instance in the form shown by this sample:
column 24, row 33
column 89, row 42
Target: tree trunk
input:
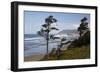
column 48, row 42
column 80, row 33
column 47, row 47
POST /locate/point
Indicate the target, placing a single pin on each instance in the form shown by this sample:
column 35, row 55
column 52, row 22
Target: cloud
column 75, row 26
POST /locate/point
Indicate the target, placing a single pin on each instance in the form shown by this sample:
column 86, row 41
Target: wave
column 34, row 38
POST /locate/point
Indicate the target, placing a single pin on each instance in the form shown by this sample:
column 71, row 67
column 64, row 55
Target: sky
column 33, row 20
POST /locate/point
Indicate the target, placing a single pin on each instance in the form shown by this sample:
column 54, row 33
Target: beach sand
column 41, row 56
column 33, row 58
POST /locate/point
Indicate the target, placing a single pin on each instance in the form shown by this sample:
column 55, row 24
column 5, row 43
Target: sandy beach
column 39, row 57
column 33, row 58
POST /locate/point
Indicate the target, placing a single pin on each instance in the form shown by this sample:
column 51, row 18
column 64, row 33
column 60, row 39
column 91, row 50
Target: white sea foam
column 34, row 38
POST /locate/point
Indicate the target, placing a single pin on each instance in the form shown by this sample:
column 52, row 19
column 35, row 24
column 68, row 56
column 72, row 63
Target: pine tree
column 46, row 29
column 83, row 26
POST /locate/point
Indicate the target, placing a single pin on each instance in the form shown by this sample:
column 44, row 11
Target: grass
column 82, row 52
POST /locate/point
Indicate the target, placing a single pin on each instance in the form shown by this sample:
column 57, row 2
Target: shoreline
column 40, row 56
column 33, row 58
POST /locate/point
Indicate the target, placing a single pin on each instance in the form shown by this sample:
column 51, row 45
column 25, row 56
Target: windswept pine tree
column 46, row 29
column 84, row 33
column 83, row 26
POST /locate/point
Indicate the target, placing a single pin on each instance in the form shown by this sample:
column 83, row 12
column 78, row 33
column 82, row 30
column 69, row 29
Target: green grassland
column 82, row 52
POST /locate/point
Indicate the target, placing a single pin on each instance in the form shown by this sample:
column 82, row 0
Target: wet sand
column 33, row 58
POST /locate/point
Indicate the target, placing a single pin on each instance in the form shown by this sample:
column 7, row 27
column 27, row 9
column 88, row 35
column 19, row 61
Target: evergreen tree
column 46, row 29
column 83, row 26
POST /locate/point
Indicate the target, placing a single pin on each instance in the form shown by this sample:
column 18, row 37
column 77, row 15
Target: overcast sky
column 65, row 21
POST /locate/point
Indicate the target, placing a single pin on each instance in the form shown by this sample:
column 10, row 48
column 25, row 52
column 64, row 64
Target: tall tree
column 46, row 29
column 83, row 26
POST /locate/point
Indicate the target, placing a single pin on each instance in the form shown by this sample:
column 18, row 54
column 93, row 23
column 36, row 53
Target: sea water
column 36, row 45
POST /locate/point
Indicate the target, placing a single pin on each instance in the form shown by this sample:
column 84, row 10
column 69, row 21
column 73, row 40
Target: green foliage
column 63, row 39
column 82, row 52
column 53, row 28
column 50, row 20
column 46, row 27
column 84, row 19
column 83, row 40
column 83, row 26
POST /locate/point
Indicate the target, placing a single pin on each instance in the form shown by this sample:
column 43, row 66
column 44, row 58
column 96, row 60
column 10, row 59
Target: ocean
column 36, row 45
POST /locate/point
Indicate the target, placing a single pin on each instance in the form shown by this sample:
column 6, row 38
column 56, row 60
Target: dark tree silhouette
column 83, row 26
column 84, row 32
column 45, row 30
